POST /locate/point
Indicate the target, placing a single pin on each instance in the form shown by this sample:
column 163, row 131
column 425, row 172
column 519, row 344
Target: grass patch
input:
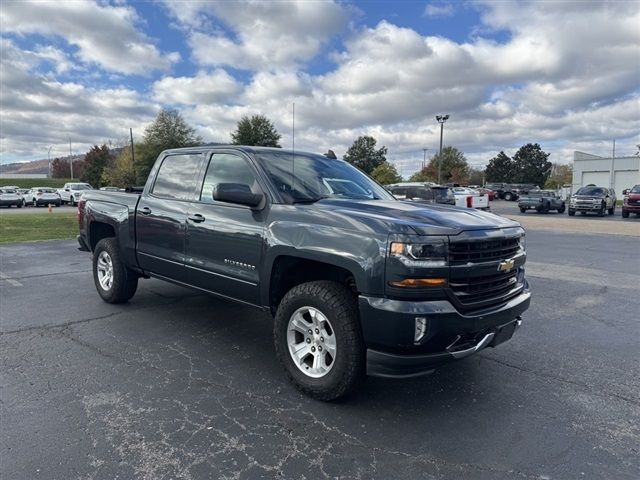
column 36, row 182
column 38, row 226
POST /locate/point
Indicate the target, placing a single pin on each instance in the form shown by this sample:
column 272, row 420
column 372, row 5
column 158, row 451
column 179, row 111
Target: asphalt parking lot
column 176, row 384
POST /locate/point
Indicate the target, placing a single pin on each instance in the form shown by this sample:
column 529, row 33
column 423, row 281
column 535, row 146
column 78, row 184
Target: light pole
column 424, row 158
column 49, row 159
column 70, row 157
column 441, row 119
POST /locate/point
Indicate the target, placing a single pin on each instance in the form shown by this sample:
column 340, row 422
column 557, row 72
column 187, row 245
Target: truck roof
column 240, row 148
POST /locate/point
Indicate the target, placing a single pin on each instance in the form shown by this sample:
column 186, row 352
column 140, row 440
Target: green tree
column 364, row 155
column 96, row 159
column 500, row 169
column 386, row 174
column 422, row 176
column 454, row 168
column 560, row 175
column 476, row 176
column 257, row 131
column 120, row 173
column 531, row 165
column 168, row 130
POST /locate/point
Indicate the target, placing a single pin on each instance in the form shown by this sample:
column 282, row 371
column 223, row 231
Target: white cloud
column 438, row 10
column 266, row 35
column 104, row 35
column 204, row 88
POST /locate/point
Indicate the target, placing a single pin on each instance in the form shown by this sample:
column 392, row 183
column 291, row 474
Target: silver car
column 9, row 197
column 38, row 196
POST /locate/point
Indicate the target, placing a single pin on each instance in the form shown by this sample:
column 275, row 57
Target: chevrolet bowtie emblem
column 506, row 266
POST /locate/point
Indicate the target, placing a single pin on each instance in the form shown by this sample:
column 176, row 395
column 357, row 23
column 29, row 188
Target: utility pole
column 49, row 159
column 70, row 157
column 441, row 119
column 424, row 158
column 613, row 159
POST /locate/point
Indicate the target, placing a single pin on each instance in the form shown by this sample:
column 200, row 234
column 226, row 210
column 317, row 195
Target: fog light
column 421, row 329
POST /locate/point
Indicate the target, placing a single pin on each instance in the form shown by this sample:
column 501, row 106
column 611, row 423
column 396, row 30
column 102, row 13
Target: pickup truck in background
column 631, row 201
column 542, row 201
column 71, row 192
column 470, row 198
column 357, row 281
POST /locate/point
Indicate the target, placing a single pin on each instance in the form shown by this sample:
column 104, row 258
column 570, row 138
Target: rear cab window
column 176, row 177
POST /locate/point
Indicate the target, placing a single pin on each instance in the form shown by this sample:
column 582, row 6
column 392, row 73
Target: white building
column 617, row 173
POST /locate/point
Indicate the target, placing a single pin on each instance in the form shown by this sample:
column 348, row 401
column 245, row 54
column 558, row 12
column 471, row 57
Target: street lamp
column 441, row 119
column 424, row 158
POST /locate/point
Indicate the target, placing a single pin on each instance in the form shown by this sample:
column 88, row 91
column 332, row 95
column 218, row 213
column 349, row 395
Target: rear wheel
column 114, row 281
column 522, row 209
column 572, row 213
column 318, row 340
column 19, row 205
column 561, row 208
column 508, row 196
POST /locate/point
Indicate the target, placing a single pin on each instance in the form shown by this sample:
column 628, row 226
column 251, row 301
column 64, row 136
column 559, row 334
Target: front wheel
column 561, row 208
column 318, row 340
column 508, row 196
column 572, row 213
column 522, row 209
column 72, row 201
column 114, row 281
column 612, row 210
column 603, row 209
column 625, row 214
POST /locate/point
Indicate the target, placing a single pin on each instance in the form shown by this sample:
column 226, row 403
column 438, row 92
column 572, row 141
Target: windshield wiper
column 310, row 200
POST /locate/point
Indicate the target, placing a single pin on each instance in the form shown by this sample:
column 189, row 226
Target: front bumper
column 586, row 207
column 388, row 328
column 630, row 208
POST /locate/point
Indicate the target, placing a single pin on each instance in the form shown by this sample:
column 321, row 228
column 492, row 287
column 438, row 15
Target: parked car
column 631, row 201
column 71, row 192
column 593, row 199
column 423, row 192
column 38, row 196
column 9, row 197
column 110, row 189
column 491, row 195
column 470, row 198
column 541, row 201
column 503, row 191
column 356, row 285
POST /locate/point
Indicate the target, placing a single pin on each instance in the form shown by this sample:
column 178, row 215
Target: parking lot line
column 10, row 280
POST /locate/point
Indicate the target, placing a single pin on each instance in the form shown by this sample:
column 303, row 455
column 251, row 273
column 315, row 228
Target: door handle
column 197, row 218
column 145, row 211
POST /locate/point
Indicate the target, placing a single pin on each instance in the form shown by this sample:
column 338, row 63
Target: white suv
column 71, row 192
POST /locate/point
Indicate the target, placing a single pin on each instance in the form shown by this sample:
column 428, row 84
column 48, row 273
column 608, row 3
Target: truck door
column 162, row 215
column 224, row 240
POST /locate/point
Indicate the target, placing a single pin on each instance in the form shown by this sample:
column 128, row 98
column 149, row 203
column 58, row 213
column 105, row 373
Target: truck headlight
column 522, row 243
column 432, row 254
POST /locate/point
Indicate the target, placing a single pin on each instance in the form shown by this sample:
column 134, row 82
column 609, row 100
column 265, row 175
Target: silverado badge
column 506, row 266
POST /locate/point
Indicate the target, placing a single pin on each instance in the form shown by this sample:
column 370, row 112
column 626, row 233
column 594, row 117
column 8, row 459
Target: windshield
column 636, row 189
column 312, row 177
column 440, row 193
column 46, row 190
column 590, row 191
column 7, row 191
column 80, row 187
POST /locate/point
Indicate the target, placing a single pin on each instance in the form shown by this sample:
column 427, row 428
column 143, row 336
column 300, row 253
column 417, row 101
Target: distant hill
column 35, row 166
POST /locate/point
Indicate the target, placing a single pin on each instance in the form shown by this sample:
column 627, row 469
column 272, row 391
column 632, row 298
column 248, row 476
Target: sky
column 565, row 75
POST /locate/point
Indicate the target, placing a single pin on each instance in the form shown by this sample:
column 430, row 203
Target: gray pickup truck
column 357, row 281
column 541, row 201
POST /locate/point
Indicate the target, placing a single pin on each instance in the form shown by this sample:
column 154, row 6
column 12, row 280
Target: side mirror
column 625, row 191
column 67, row 190
column 236, row 193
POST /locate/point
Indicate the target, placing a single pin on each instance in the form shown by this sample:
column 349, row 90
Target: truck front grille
column 474, row 293
column 461, row 253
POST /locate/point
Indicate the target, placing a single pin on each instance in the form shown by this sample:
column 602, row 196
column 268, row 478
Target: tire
column 572, row 213
column 24, row 204
column 122, row 283
column 546, row 208
column 523, row 210
column 625, row 214
column 561, row 208
column 72, row 201
column 35, row 203
column 612, row 210
column 603, row 209
column 508, row 196
column 57, row 204
column 338, row 306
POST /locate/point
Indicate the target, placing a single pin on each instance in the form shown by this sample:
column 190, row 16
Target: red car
column 488, row 192
column 631, row 202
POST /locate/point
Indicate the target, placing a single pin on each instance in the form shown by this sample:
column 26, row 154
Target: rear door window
column 176, row 178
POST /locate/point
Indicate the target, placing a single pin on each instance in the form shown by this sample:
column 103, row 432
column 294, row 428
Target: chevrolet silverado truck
column 541, row 201
column 357, row 282
column 631, row 201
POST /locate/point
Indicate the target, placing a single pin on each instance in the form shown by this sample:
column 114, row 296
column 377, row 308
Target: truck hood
column 423, row 219
column 588, row 197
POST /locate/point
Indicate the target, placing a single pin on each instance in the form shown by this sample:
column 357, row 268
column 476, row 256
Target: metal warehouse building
column 617, row 173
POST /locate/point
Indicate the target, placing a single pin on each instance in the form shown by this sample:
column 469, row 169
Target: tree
column 95, row 161
column 531, row 165
column 257, row 131
column 363, row 154
column 560, row 175
column 168, row 130
column 422, row 176
column 500, row 169
column 476, row 176
column 61, row 168
column 454, row 168
column 120, row 173
column 386, row 174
